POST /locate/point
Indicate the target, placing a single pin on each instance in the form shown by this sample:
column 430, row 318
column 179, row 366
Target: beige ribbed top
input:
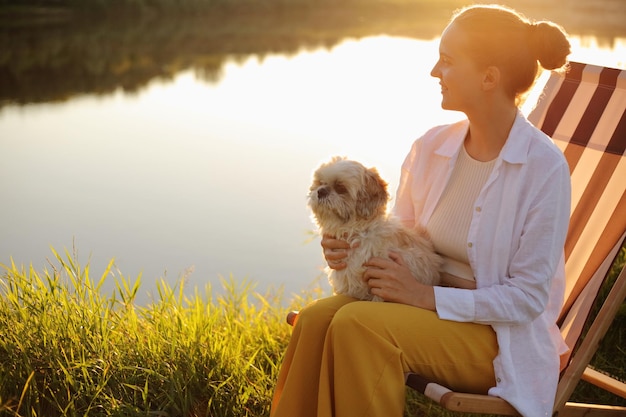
column 449, row 224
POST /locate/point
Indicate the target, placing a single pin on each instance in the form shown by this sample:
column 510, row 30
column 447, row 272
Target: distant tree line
column 193, row 6
column 55, row 58
column 51, row 50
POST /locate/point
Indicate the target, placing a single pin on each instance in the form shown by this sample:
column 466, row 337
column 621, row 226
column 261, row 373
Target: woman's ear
column 491, row 78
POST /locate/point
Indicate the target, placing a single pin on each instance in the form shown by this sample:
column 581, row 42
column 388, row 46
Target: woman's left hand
column 392, row 280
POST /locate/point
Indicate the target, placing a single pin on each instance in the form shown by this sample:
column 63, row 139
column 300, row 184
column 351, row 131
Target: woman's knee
column 319, row 313
column 348, row 316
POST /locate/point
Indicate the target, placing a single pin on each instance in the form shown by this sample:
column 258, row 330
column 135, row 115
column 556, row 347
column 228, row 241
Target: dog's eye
column 340, row 188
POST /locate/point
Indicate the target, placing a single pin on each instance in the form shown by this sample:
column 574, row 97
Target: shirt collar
column 517, row 145
column 515, row 150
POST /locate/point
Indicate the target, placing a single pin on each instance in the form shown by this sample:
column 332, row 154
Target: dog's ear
column 373, row 197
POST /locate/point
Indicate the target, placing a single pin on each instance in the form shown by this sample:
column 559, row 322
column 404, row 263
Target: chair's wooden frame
column 578, row 368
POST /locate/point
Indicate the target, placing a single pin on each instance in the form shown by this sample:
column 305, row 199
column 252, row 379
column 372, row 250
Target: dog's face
column 344, row 191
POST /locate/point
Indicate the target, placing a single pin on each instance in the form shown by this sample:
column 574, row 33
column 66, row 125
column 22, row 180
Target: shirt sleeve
column 455, row 304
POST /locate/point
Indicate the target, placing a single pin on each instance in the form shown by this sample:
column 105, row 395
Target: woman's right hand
column 335, row 251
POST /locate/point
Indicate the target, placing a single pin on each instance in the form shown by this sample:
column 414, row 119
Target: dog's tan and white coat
column 349, row 201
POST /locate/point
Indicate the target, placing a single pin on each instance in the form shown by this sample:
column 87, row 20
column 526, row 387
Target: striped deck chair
column 584, row 111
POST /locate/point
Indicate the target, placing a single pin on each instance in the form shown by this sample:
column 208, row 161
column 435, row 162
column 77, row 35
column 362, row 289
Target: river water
column 205, row 177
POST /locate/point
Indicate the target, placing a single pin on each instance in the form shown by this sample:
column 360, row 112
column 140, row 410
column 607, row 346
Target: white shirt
column 515, row 248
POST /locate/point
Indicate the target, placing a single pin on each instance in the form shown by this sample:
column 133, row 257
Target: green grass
column 67, row 349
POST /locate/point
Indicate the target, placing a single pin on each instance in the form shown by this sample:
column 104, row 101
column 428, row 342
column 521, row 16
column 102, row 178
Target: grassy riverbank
column 68, row 350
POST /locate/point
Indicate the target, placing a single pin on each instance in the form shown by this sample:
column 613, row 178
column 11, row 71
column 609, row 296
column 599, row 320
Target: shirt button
column 498, row 380
column 469, row 245
column 478, row 209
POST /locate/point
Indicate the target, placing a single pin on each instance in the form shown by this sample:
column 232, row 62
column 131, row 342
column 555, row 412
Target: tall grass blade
column 26, row 385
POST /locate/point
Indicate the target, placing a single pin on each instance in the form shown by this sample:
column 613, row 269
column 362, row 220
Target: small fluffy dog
column 349, row 201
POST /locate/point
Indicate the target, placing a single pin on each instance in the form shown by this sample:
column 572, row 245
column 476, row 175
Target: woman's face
column 460, row 78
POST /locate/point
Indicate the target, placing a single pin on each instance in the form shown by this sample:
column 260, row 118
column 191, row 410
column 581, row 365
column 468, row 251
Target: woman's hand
column 392, row 280
column 335, row 251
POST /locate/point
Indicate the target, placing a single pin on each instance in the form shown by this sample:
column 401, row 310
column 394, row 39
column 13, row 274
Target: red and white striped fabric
column 584, row 112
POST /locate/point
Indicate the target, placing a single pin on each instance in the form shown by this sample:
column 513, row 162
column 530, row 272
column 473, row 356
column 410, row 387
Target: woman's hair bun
column 549, row 44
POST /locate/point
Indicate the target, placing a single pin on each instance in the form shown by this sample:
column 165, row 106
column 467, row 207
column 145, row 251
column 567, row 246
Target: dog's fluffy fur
column 349, row 201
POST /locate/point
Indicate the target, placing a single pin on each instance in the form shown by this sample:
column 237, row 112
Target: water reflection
column 214, row 175
column 58, row 59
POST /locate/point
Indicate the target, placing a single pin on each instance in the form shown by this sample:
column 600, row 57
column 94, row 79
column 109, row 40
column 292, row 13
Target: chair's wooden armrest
column 604, row 381
column 291, row 317
column 473, row 403
column 456, row 401
column 591, row 410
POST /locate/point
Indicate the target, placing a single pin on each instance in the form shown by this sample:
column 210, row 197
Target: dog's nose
column 322, row 192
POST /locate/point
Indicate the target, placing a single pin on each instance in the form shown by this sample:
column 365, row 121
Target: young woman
column 494, row 193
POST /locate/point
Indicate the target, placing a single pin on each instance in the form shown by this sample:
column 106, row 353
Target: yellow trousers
column 347, row 358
